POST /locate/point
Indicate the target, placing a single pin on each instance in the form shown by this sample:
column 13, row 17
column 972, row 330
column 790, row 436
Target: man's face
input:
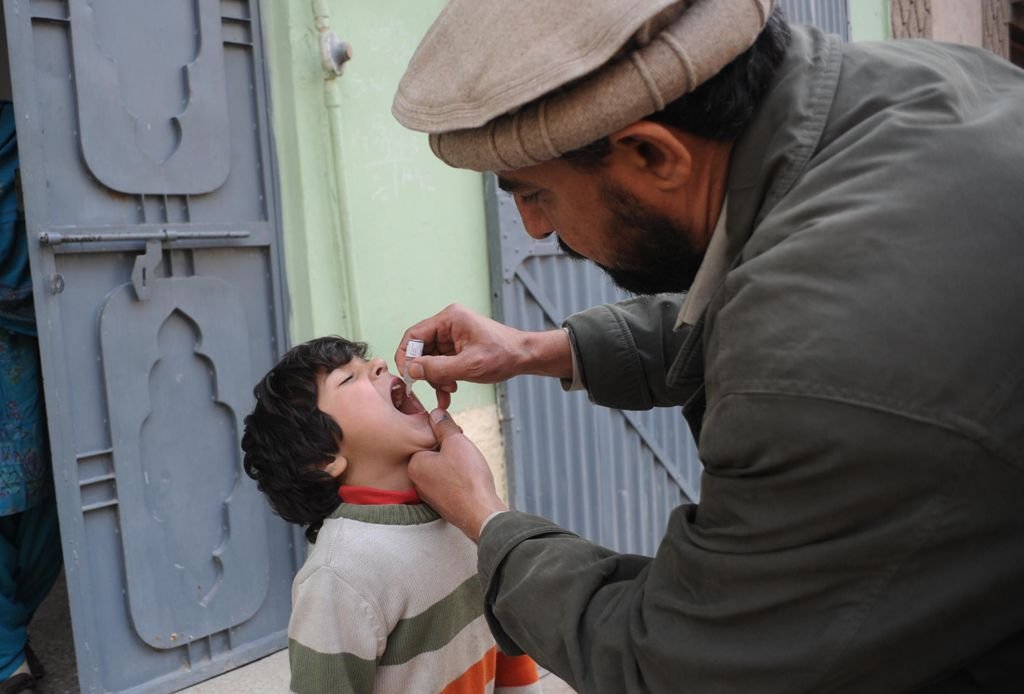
column 642, row 249
column 378, row 421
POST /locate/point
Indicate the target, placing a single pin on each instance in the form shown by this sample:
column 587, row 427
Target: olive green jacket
column 857, row 386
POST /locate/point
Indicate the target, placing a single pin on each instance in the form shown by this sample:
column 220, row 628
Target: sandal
column 20, row 683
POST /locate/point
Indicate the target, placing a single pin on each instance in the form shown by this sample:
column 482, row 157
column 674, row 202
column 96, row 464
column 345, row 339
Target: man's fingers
column 440, row 372
column 437, row 332
column 431, row 369
column 433, row 331
column 419, row 458
column 444, row 399
column 443, row 425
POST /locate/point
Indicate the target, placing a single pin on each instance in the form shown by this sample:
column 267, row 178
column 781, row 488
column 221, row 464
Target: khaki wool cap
column 504, row 84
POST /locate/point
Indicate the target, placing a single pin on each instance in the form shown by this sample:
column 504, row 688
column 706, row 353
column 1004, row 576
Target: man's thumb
column 433, row 369
column 443, row 425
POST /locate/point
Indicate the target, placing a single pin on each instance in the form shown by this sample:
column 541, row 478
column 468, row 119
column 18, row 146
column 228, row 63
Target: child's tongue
column 411, row 405
column 406, row 403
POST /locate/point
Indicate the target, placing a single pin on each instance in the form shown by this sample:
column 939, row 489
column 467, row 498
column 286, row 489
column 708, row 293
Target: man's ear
column 336, row 468
column 652, row 152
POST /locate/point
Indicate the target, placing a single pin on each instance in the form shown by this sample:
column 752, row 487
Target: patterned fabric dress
column 24, row 456
column 30, row 552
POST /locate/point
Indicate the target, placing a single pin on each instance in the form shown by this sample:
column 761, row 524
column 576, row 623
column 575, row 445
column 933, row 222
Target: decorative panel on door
column 177, row 363
column 155, row 120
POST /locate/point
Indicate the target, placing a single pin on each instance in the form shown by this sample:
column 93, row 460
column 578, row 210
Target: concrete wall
column 378, row 233
column 981, row 23
column 956, row 21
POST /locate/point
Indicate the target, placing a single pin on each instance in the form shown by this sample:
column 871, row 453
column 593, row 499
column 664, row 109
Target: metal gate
column 152, row 217
column 613, row 476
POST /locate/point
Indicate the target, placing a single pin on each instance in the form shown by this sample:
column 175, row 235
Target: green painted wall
column 378, row 233
column 869, row 20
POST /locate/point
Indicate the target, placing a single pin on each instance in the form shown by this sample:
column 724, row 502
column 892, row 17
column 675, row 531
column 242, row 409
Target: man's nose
column 535, row 221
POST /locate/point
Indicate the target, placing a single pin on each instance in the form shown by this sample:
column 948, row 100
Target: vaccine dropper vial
column 412, row 350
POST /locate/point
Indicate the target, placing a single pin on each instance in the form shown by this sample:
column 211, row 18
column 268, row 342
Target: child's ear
column 336, row 468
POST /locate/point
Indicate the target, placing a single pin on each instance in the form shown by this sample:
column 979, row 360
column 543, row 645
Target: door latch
column 145, row 267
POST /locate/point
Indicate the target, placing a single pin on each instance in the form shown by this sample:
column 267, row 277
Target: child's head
column 324, row 416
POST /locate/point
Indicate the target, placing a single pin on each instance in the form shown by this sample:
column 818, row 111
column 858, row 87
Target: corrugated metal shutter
column 827, row 15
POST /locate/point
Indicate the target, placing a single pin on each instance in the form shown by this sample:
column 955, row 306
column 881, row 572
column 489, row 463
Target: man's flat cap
column 503, row 84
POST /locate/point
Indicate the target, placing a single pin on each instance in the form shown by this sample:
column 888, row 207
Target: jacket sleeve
column 335, row 637
column 624, row 351
column 813, row 563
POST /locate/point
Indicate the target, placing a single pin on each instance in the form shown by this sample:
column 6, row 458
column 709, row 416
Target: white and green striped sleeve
column 335, row 638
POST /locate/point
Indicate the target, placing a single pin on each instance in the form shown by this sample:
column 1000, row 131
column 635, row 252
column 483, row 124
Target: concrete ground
column 270, row 676
column 50, row 633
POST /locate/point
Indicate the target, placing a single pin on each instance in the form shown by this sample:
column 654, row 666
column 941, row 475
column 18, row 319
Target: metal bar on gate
column 53, row 238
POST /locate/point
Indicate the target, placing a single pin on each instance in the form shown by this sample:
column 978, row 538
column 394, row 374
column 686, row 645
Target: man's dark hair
column 288, row 438
column 720, row 108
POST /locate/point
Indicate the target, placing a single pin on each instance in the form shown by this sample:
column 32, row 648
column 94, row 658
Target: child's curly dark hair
column 288, row 439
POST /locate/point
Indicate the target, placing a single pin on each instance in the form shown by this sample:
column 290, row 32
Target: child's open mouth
column 403, row 402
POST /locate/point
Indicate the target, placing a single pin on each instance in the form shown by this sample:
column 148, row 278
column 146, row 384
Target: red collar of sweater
column 371, row 496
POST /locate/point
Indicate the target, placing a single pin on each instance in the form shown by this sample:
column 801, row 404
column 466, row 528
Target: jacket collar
column 774, row 150
column 769, row 157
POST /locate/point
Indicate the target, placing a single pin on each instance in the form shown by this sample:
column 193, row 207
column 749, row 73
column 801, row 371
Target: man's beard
column 655, row 253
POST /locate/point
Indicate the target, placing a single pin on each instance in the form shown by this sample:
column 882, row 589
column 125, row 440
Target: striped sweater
column 389, row 601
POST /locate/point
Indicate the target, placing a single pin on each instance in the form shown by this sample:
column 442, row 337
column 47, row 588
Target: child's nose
column 378, row 367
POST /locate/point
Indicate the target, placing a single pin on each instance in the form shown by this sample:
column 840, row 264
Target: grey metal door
column 152, row 219
column 612, row 476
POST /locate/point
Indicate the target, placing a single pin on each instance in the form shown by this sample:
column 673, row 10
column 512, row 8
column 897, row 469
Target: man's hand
column 455, row 480
column 460, row 345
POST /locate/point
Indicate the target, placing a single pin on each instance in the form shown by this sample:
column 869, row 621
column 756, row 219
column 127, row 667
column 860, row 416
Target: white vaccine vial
column 413, row 349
